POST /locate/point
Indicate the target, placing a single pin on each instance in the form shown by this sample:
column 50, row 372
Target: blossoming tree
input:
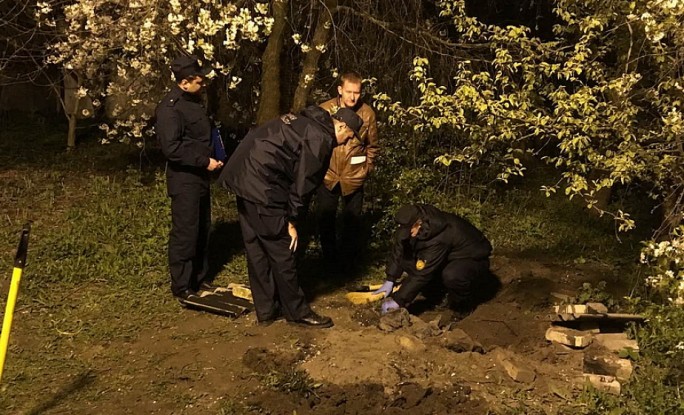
column 119, row 51
column 599, row 98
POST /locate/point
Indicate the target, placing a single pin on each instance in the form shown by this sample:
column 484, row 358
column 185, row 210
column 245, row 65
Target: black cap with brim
column 184, row 67
column 406, row 217
column 349, row 117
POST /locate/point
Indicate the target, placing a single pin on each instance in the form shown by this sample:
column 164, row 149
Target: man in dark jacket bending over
column 434, row 244
column 273, row 172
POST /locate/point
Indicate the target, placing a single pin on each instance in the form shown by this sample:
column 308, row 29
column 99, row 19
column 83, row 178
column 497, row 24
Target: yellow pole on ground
column 19, row 262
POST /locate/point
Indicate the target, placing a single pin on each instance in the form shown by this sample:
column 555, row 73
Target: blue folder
column 217, row 142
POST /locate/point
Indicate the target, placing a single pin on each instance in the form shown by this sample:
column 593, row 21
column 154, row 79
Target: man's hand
column 388, row 305
column 214, row 164
column 293, row 235
column 386, row 289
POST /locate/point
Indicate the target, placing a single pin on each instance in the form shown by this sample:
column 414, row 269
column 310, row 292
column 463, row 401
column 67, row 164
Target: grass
column 97, row 267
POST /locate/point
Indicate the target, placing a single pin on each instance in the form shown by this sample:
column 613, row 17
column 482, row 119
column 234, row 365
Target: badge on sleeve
column 420, row 264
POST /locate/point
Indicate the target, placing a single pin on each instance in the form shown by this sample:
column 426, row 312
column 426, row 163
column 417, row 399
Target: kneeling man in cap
column 429, row 244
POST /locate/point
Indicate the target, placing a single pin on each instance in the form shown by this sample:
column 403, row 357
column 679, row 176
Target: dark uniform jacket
column 279, row 164
column 443, row 237
column 184, row 132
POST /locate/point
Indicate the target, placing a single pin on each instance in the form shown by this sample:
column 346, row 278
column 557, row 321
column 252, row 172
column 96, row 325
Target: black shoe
column 207, row 286
column 265, row 322
column 268, row 320
column 183, row 296
column 314, row 320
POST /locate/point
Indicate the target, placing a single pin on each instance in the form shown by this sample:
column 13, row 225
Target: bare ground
column 196, row 363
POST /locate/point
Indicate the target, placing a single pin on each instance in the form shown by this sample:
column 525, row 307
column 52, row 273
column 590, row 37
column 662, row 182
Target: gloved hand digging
column 385, row 289
column 388, row 305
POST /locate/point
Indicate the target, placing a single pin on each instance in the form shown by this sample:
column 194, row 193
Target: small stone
column 597, row 308
column 411, row 343
column 615, row 342
column 421, row 329
column 571, row 309
column 395, row 320
column 516, row 370
column 569, row 337
column 600, row 361
column 603, row 383
column 459, row 341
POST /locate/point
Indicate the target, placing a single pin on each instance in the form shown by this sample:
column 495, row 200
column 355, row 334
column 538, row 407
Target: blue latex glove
column 385, row 289
column 388, row 305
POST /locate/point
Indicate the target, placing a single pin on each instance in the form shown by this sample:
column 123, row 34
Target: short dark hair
column 350, row 76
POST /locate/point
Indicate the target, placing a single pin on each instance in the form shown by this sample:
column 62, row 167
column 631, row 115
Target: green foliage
column 233, row 407
column 599, row 101
column 407, row 173
column 595, row 294
column 658, row 380
column 665, row 262
column 291, row 381
column 662, row 339
column 107, row 238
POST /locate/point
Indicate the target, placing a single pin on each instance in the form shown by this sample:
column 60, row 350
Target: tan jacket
column 350, row 163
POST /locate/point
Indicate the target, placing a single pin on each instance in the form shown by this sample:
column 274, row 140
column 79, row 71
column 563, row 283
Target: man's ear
column 339, row 90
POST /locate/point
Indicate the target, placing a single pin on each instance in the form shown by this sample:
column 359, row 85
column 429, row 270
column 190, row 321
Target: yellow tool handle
column 19, row 262
column 9, row 313
column 367, row 297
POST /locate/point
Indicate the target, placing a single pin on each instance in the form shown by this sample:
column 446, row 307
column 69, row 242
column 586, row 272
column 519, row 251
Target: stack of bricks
column 590, row 329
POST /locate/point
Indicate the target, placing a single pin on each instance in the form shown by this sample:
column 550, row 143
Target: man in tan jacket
column 349, row 167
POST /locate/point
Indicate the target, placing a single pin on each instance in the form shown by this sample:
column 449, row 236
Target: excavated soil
column 419, row 364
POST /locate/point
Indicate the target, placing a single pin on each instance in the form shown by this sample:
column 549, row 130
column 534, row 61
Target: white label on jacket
column 358, row 159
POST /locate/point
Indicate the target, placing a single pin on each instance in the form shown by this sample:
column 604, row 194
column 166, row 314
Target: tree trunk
column 71, row 106
column 71, row 135
column 310, row 66
column 269, row 105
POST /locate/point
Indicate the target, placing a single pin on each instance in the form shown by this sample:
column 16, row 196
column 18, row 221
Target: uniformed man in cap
column 273, row 172
column 184, row 132
column 430, row 244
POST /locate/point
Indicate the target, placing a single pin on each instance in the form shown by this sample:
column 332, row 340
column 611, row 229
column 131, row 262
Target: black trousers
column 270, row 264
column 352, row 205
column 460, row 277
column 189, row 237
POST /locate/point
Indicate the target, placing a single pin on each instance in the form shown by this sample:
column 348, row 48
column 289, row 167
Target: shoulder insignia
column 288, row 118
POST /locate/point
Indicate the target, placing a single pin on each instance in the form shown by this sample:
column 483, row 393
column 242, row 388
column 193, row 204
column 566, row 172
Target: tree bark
column 71, row 106
column 71, row 135
column 269, row 105
column 310, row 66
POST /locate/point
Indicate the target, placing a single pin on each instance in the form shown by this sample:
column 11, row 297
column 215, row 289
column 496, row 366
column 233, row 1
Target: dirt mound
column 363, row 399
column 409, row 399
column 263, row 361
column 289, row 389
